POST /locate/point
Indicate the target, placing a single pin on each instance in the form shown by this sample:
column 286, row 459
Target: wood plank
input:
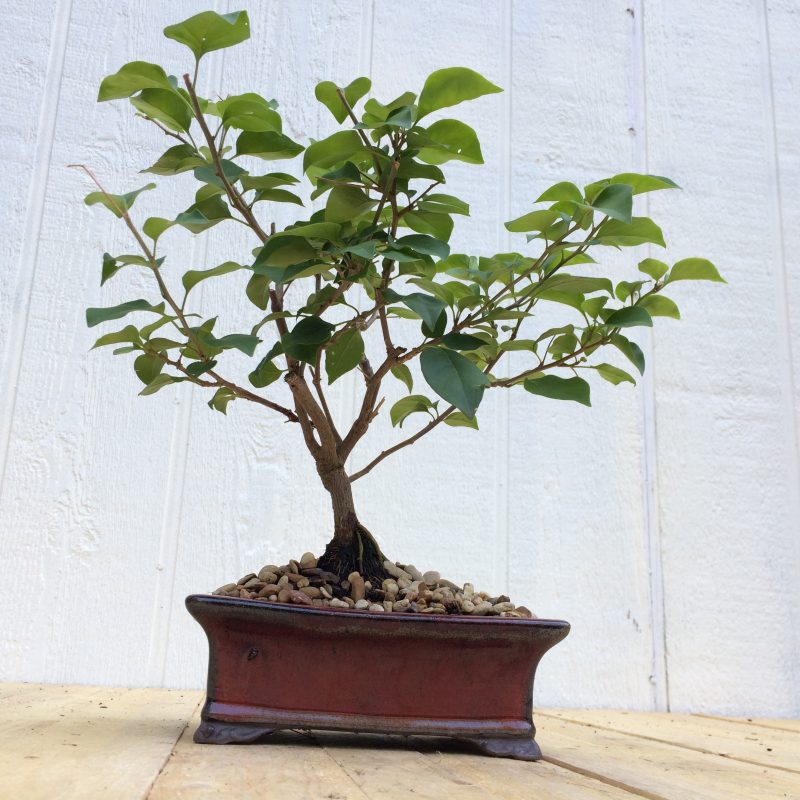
column 792, row 725
column 655, row 769
column 736, row 739
column 292, row 766
column 504, row 779
column 87, row 742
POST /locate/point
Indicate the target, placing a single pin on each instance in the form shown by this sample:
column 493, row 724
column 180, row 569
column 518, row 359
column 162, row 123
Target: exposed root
column 362, row 554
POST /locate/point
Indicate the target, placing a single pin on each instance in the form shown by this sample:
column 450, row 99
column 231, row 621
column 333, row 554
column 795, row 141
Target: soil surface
column 406, row 591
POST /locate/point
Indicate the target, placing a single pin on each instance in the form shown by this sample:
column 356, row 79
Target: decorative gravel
column 406, row 591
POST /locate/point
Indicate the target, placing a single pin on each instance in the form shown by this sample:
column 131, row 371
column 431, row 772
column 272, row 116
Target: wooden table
column 93, row 742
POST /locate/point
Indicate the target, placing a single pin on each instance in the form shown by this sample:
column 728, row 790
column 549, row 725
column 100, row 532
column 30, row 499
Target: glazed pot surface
column 276, row 666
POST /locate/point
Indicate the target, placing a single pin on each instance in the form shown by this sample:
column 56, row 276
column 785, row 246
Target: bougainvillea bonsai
column 367, row 281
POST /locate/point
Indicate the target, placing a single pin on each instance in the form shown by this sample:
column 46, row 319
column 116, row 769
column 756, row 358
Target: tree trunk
column 353, row 548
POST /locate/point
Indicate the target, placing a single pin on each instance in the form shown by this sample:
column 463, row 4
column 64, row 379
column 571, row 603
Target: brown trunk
column 345, row 520
column 353, row 548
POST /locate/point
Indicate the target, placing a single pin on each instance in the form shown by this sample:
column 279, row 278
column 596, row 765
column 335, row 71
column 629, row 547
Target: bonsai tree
column 381, row 228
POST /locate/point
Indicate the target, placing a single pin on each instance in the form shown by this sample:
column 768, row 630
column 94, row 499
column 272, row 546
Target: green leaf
column 128, row 334
column 347, row 203
column 258, row 291
column 269, row 181
column 462, row 341
column 180, row 158
column 629, row 317
column 269, row 145
column 328, row 152
column 644, row 183
column 284, row 251
column 653, row 267
column 344, row 354
column 244, row 342
column 535, row 221
column 327, row 93
column 440, row 226
column 409, row 405
column 578, row 284
column 403, row 373
column 444, row 204
column 194, row 276
column 110, row 268
column 613, row 374
column 155, row 226
column 147, row 367
column 164, row 105
column 265, row 373
column 159, row 382
column 249, row 112
column 449, row 87
column 630, row 350
column 616, row 201
column 458, row 420
column 277, row 196
column 325, row 231
column 454, row 378
column 425, row 245
column 305, row 339
column 209, row 31
column 657, row 305
column 204, row 215
column 556, row 388
column 132, row 78
column 560, row 192
column 94, row 316
column 221, row 398
column 694, row 269
column 450, row 139
column 642, row 230
column 427, row 307
column 116, row 203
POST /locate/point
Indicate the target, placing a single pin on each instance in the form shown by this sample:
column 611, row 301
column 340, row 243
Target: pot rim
column 352, row 613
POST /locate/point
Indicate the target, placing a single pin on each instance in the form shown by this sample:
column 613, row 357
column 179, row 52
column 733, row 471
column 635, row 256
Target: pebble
column 406, row 590
column 298, row 597
column 284, row 595
column 358, row 588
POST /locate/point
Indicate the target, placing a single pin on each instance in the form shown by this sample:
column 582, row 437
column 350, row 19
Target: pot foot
column 209, row 732
column 522, row 749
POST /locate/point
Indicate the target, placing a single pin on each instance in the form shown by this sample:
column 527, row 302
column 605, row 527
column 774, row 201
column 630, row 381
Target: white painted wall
column 664, row 523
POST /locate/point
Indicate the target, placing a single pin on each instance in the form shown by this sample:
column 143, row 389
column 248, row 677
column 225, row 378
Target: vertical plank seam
column 171, row 521
column 34, row 219
column 503, row 410
column 782, row 308
column 367, row 42
column 660, row 677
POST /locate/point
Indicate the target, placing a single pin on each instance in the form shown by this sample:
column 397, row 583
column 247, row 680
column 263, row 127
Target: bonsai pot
column 274, row 666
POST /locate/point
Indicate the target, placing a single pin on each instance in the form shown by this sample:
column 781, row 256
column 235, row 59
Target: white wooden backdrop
column 664, row 522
